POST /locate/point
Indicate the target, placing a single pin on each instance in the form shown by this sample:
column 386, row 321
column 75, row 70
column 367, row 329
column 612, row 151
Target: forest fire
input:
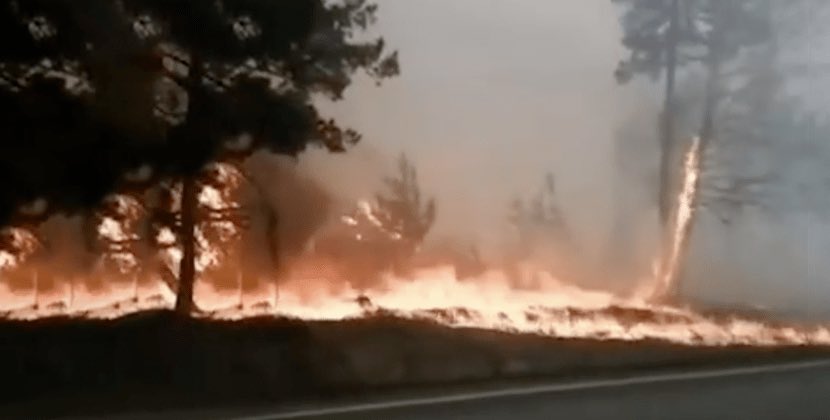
column 553, row 309
column 21, row 244
column 315, row 287
column 489, row 302
column 683, row 217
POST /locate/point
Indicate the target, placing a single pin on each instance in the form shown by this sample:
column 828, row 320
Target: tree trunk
column 35, row 275
column 189, row 198
column 187, row 267
column 272, row 235
column 707, row 131
column 667, row 120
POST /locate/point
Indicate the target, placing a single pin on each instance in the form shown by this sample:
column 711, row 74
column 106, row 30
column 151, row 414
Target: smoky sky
column 494, row 93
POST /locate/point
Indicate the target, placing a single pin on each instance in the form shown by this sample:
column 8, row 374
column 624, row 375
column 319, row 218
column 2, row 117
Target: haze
column 491, row 97
column 495, row 93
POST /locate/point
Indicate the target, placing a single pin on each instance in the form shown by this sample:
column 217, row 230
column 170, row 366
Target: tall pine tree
column 98, row 90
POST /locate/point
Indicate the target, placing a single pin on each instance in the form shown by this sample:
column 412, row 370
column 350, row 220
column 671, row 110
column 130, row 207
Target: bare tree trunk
column 707, row 129
column 667, row 120
column 272, row 236
column 707, row 132
column 36, row 286
column 189, row 199
column 187, row 267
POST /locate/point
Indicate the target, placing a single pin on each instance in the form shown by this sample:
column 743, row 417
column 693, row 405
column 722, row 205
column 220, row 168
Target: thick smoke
column 493, row 96
column 489, row 110
column 486, row 113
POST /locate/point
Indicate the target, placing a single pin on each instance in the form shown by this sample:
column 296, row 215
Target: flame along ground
column 489, row 301
column 435, row 295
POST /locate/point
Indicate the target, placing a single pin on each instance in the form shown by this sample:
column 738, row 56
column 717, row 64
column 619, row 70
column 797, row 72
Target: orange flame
column 682, row 220
column 553, row 309
column 490, row 300
column 21, row 244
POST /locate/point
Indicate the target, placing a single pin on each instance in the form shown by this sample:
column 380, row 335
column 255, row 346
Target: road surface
column 783, row 391
column 791, row 391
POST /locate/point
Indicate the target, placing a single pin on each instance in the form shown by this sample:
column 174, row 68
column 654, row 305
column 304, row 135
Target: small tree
column 402, row 210
column 542, row 231
column 656, row 32
column 539, row 217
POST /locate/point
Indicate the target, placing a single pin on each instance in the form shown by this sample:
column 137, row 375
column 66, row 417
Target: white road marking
column 541, row 389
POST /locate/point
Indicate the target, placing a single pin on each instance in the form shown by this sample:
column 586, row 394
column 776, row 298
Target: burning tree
column 251, row 69
column 667, row 35
column 403, row 211
column 105, row 88
column 712, row 33
column 382, row 235
column 762, row 127
column 656, row 33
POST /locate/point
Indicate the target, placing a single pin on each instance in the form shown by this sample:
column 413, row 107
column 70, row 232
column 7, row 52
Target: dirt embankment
column 157, row 358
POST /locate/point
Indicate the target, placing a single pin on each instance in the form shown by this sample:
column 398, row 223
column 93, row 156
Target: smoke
column 496, row 94
column 490, row 99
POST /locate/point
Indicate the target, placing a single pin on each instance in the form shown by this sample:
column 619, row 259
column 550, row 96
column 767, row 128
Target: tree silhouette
column 655, row 31
column 666, row 35
column 402, row 210
column 383, row 234
column 539, row 216
column 732, row 26
column 101, row 89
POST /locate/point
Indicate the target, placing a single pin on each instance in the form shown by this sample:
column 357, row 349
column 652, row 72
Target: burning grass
column 552, row 309
column 489, row 300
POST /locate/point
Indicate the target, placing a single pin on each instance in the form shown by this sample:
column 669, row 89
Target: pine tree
column 656, row 32
column 403, row 211
column 665, row 36
column 102, row 88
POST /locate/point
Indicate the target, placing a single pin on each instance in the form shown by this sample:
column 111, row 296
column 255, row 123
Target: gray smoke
column 497, row 93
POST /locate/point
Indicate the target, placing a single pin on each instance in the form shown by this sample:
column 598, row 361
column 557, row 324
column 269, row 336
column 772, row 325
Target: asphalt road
column 791, row 391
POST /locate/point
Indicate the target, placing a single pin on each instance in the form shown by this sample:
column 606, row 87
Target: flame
column 434, row 294
column 365, row 220
column 211, row 197
column 681, row 222
column 552, row 309
column 18, row 244
column 113, row 230
column 119, row 220
column 217, row 196
column 489, row 301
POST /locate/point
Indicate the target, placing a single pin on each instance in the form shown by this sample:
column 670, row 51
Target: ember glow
column 490, row 300
column 435, row 295
column 18, row 245
column 552, row 309
column 118, row 224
